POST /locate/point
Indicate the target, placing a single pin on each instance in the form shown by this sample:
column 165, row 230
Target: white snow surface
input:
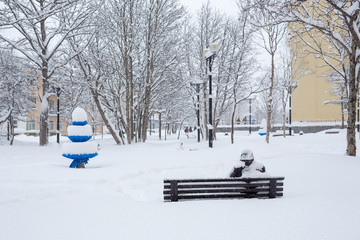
column 80, row 147
column 76, row 130
column 79, row 115
column 119, row 196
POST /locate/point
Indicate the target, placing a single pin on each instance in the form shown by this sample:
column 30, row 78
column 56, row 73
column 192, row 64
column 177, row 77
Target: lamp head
column 214, row 48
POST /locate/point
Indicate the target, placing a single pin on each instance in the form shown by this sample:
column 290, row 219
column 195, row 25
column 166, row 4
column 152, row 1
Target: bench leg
column 174, row 191
column 272, row 192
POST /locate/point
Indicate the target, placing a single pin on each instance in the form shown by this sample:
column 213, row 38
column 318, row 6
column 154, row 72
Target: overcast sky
column 229, row 7
column 226, row 6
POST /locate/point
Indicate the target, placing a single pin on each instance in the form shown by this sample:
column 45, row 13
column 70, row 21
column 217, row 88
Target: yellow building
column 32, row 125
column 33, row 118
column 313, row 88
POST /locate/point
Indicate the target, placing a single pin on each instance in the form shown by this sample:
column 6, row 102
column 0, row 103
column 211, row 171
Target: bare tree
column 239, row 64
column 15, row 91
column 271, row 34
column 289, row 72
column 42, row 27
column 339, row 21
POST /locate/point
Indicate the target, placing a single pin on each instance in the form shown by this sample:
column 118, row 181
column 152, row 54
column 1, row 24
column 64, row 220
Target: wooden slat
column 223, row 180
column 223, row 191
column 223, row 196
column 224, row 185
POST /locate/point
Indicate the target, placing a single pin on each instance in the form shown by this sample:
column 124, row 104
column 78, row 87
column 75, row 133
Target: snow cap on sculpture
column 79, row 116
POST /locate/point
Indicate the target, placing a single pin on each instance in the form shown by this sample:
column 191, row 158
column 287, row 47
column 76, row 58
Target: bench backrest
column 223, row 188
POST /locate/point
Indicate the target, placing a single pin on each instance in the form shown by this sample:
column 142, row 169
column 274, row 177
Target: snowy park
column 119, row 193
column 124, row 120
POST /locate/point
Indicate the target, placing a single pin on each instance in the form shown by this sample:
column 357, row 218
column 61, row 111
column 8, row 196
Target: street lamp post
column 290, row 113
column 58, row 91
column 210, row 54
column 291, row 89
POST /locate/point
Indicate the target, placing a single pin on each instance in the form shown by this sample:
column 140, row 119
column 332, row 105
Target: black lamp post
column 210, row 54
column 290, row 113
column 58, row 91
column 291, row 89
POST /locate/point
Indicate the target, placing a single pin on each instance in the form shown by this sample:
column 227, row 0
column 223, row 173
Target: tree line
column 135, row 58
column 130, row 59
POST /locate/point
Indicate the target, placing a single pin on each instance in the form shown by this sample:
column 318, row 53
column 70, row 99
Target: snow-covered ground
column 119, row 193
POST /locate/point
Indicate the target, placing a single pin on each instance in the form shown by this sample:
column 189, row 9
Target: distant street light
column 209, row 55
column 250, row 100
column 291, row 89
column 58, row 91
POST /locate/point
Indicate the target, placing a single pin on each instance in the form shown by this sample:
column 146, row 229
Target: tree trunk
column 44, row 112
column 233, row 123
column 8, row 130
column 11, row 126
column 104, row 117
column 284, row 123
column 145, row 116
column 159, row 125
column 342, row 115
column 129, row 127
column 353, row 89
column 268, row 123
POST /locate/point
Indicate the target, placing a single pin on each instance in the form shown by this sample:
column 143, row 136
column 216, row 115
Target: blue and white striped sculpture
column 79, row 150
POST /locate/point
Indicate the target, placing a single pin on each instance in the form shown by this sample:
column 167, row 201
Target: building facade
column 314, row 98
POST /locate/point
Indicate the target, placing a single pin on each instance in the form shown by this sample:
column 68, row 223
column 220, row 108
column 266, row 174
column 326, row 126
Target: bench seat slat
column 239, row 185
column 243, row 190
column 223, row 196
column 223, row 180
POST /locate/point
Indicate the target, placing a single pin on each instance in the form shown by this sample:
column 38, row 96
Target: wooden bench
column 225, row 188
column 332, row 132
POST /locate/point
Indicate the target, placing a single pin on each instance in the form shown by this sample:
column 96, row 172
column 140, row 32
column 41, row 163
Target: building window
column 33, row 102
column 15, row 124
column 51, row 125
column 60, row 125
column 52, row 106
column 32, row 81
column 30, row 125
